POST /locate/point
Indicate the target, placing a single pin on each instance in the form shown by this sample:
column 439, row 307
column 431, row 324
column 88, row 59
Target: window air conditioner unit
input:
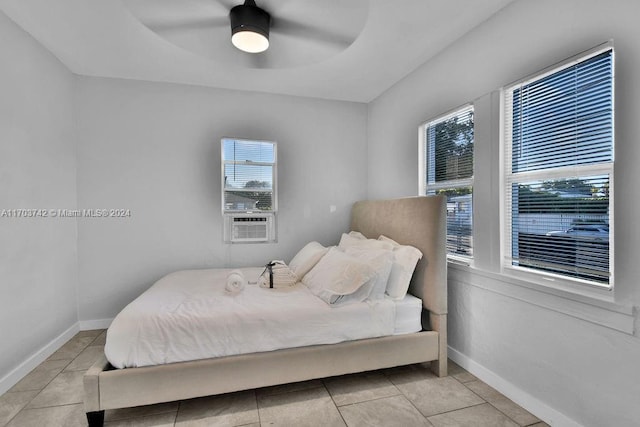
column 249, row 228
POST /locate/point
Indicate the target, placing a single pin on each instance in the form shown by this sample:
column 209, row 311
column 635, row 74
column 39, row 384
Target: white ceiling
column 369, row 45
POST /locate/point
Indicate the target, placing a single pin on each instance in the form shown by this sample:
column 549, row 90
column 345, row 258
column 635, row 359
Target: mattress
column 408, row 315
column 188, row 315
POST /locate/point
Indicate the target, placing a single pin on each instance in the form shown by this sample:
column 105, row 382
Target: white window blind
column 248, row 176
column 447, row 168
column 559, row 167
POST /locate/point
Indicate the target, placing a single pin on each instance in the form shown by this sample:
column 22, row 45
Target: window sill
column 594, row 308
column 459, row 260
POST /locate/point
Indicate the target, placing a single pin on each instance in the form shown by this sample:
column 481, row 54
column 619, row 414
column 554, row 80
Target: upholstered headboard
column 415, row 221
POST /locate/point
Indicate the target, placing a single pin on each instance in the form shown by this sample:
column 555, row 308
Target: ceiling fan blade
column 274, row 7
column 188, row 24
column 148, row 9
column 172, row 15
column 228, row 4
column 257, row 61
column 310, row 32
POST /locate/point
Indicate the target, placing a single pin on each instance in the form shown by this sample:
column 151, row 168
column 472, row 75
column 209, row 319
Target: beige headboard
column 415, row 221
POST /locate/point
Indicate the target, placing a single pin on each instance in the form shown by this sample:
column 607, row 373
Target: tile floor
column 51, row 395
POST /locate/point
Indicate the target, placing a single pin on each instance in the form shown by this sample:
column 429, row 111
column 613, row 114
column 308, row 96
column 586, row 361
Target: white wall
column 38, row 270
column 155, row 149
column 576, row 367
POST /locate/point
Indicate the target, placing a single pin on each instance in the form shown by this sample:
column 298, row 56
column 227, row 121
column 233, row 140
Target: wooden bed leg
column 95, row 419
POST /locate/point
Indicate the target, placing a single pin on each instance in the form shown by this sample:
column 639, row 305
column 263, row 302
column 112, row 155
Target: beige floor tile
column 435, row 395
column 90, row 333
column 389, row 412
column 409, row 373
column 41, row 375
column 540, row 424
column 157, row 420
column 140, row 411
column 465, row 377
column 55, row 416
column 483, row 415
column 100, row 339
column 453, row 367
column 484, row 391
column 231, row 409
column 459, row 373
column 12, row 403
column 288, row 388
column 349, row 389
column 72, row 348
column 517, row 413
column 65, row 389
column 305, row 408
column 86, row 358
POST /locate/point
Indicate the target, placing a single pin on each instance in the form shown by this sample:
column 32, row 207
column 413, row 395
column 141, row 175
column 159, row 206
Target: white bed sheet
column 408, row 315
column 187, row 315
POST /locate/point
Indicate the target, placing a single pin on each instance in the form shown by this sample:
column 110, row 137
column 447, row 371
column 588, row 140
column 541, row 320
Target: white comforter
column 187, row 315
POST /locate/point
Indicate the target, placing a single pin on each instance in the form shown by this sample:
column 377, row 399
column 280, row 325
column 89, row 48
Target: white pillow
column 405, row 259
column 339, row 278
column 381, row 261
column 306, row 258
column 348, row 241
column 357, row 235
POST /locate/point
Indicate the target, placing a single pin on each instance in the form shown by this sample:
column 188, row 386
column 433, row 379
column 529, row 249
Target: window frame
column 424, row 187
column 541, row 277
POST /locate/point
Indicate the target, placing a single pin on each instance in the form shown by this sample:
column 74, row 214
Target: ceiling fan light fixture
column 250, row 27
column 250, row 41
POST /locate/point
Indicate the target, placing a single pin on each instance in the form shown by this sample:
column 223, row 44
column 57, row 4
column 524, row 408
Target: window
column 558, row 176
column 446, row 167
column 249, row 197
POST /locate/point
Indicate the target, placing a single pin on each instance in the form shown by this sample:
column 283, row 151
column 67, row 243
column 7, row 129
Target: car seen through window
column 584, row 231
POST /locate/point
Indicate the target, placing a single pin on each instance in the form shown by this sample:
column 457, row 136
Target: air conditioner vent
column 260, row 219
column 249, row 228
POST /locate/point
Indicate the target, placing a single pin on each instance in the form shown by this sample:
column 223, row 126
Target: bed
column 415, row 221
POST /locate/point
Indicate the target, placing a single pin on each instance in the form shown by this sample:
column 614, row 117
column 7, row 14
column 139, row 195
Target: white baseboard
column 37, row 358
column 88, row 325
column 519, row 396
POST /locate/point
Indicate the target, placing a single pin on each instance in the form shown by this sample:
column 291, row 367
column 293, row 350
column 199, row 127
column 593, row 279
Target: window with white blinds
column 248, row 176
column 559, row 149
column 446, row 167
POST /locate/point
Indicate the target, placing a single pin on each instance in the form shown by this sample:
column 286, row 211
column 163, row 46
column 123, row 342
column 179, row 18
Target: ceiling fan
column 276, row 33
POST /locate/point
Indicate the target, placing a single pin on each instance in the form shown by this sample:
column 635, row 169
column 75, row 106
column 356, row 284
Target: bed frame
column 416, row 221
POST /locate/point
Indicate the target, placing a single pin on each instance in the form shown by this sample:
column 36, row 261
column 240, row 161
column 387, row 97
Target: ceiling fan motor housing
column 249, row 17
